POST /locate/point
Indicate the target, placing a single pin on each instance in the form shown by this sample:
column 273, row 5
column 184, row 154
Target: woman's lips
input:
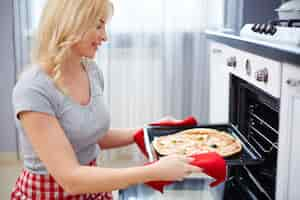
column 95, row 45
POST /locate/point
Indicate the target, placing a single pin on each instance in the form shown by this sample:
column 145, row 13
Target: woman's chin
column 91, row 55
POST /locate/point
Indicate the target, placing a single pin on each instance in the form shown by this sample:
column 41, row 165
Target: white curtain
column 154, row 62
column 150, row 58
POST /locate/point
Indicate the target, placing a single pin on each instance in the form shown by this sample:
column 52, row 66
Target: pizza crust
column 197, row 140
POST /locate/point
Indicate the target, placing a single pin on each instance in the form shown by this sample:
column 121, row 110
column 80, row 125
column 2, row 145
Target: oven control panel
column 261, row 72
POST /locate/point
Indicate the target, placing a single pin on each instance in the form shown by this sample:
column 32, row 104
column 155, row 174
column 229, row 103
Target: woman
column 60, row 112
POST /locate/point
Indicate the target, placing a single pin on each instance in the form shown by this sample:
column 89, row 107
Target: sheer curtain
column 154, row 48
column 154, row 62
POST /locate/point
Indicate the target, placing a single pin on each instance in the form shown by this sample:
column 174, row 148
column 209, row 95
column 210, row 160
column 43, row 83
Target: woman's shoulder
column 33, row 92
column 32, row 79
column 32, row 75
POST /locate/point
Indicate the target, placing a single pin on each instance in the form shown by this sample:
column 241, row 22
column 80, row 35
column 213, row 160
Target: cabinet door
column 289, row 140
column 219, row 84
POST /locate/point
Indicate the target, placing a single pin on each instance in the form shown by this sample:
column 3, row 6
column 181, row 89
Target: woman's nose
column 104, row 38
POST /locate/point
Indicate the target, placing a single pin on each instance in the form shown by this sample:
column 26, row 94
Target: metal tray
column 248, row 155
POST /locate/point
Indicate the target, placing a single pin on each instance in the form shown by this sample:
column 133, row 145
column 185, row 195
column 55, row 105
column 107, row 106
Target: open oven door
column 243, row 186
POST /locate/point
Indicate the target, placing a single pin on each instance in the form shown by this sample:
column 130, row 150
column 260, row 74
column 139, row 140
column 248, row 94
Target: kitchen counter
column 275, row 51
column 193, row 189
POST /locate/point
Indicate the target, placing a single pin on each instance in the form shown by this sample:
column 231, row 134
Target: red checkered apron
column 44, row 187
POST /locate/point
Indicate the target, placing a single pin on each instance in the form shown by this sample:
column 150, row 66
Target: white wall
column 7, row 78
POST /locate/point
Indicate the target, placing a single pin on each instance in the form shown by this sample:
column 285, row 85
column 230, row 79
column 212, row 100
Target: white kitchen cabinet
column 219, row 84
column 222, row 60
column 289, row 152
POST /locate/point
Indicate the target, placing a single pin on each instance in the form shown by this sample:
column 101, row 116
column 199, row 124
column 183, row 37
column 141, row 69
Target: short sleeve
column 31, row 99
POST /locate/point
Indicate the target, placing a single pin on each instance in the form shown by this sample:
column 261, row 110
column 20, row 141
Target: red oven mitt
column 139, row 135
column 212, row 165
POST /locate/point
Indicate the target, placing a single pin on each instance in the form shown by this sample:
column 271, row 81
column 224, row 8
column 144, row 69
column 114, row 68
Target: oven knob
column 248, row 67
column 273, row 30
column 262, row 75
column 269, row 29
column 262, row 28
column 231, row 61
column 255, row 27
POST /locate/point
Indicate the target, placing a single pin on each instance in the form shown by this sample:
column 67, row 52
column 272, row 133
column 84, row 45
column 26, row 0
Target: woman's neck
column 72, row 65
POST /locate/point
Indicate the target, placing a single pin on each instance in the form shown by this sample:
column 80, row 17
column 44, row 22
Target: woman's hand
column 174, row 167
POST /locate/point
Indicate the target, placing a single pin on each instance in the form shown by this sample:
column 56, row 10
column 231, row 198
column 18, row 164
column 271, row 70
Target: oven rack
column 263, row 122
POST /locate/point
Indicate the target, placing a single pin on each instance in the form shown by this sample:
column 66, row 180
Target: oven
column 254, row 99
column 254, row 120
column 256, row 115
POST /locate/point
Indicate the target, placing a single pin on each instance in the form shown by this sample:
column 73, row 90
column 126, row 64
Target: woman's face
column 91, row 40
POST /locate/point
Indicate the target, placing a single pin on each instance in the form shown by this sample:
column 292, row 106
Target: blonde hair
column 62, row 24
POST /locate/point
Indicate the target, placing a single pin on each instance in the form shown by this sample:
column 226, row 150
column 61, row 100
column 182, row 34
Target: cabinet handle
column 215, row 50
column 231, row 61
column 248, row 67
column 293, row 82
column 262, row 75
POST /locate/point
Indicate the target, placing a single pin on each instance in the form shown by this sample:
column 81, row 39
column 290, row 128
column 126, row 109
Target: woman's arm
column 117, row 138
column 52, row 146
column 54, row 149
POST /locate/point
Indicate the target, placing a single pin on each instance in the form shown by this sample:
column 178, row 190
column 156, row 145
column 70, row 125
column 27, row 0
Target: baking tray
column 248, row 155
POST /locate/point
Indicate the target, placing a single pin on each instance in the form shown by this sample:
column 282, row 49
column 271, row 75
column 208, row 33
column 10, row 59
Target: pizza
column 197, row 140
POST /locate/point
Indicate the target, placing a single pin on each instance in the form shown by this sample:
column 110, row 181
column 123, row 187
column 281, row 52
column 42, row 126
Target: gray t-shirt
column 83, row 125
